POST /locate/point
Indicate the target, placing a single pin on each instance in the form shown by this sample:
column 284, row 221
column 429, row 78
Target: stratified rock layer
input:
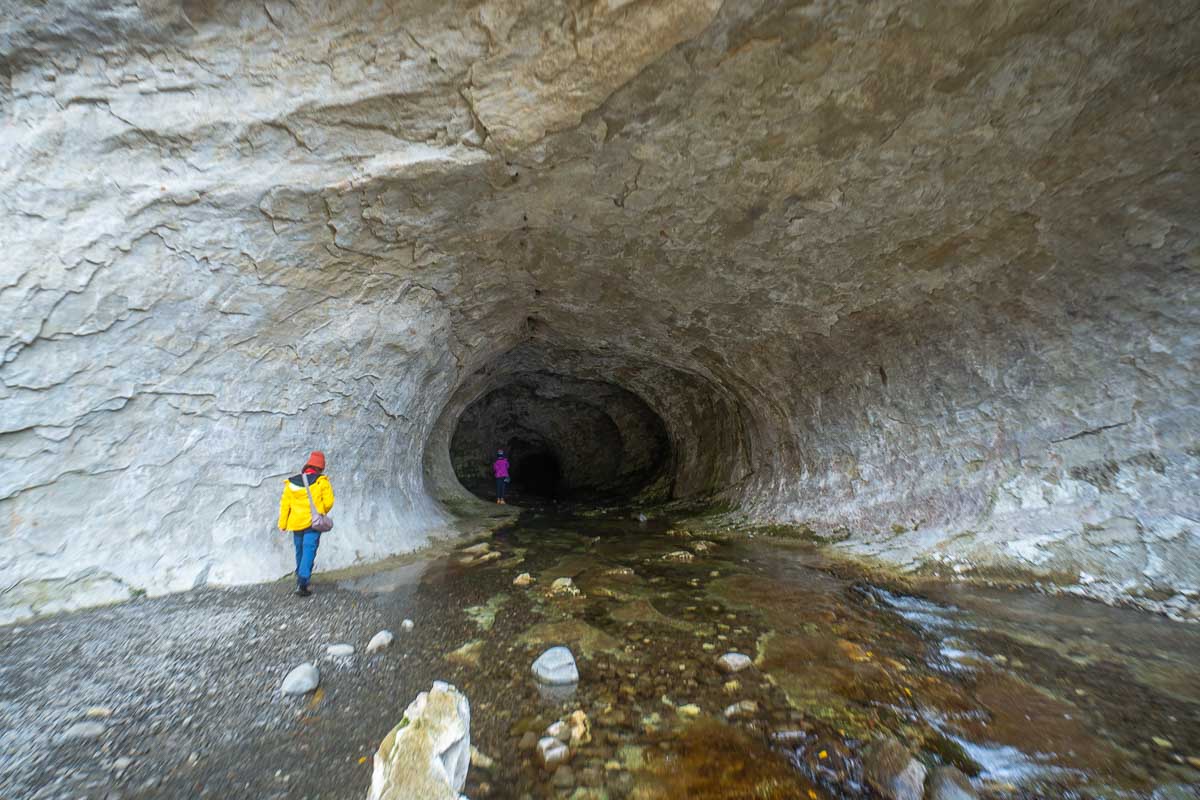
column 922, row 276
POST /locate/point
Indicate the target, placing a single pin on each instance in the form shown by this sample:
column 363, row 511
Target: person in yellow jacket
column 295, row 515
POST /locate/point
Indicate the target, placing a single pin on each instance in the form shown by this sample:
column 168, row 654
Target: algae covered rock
column 428, row 753
column 949, row 783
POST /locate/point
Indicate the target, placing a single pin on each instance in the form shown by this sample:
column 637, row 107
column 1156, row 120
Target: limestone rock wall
column 919, row 275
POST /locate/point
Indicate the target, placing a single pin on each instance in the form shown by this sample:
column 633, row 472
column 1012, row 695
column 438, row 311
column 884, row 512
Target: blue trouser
column 306, row 553
column 501, row 485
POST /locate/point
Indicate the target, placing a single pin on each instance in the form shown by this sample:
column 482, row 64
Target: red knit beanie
column 317, row 459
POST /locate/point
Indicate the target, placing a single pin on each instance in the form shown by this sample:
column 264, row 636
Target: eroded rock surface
column 921, row 277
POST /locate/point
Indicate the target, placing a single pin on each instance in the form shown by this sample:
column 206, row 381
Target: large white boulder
column 427, row 755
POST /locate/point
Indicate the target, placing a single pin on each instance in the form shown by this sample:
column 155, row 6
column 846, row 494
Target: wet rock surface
column 1026, row 694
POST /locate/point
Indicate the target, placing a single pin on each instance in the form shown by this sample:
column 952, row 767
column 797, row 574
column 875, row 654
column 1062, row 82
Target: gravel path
column 180, row 696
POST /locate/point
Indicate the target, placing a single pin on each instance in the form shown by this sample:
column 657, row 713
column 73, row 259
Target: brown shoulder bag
column 320, row 522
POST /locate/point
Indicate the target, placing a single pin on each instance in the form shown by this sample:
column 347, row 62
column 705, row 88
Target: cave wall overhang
column 923, row 278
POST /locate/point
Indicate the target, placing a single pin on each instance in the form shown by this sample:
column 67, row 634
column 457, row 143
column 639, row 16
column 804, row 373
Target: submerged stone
column 743, row 708
column 564, row 587
column 556, row 667
column 734, row 662
column 468, row 655
column 484, row 616
column 891, row 770
column 552, row 752
column 949, row 783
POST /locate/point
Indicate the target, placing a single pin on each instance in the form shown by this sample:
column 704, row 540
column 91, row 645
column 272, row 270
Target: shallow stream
column 1029, row 695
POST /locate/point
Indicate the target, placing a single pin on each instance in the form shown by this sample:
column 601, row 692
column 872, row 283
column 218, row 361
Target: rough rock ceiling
column 922, row 274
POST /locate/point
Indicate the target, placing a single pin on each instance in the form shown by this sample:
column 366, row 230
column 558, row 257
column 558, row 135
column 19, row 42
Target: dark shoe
column 302, row 591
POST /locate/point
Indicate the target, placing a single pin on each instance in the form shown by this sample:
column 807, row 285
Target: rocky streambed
column 846, row 688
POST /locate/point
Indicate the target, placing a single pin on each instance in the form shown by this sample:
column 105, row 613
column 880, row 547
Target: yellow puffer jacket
column 294, row 514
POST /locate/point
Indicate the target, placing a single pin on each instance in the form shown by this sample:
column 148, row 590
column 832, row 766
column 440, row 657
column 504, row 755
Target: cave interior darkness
column 569, row 440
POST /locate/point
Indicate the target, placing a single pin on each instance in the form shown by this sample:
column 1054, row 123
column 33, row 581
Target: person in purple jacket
column 500, row 470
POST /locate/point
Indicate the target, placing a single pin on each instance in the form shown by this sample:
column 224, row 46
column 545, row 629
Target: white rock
column 426, row 756
column 379, row 641
column 744, row 708
column 564, row 586
column 552, row 752
column 83, row 730
column 406, row 625
column 734, row 662
column 524, row 579
column 301, row 680
column 340, row 650
column 556, row 667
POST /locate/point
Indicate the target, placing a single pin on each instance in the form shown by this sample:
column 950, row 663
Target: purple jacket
column 501, row 467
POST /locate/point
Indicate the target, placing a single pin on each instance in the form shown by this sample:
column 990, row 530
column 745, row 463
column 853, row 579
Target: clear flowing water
column 1031, row 696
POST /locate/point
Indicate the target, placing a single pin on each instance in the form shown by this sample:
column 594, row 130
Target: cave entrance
column 536, row 474
column 568, row 440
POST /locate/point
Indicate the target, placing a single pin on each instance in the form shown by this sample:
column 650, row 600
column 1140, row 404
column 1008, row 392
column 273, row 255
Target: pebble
column 743, row 708
column 528, row 741
column 1194, row 762
column 524, row 579
column 98, row 712
column 406, row 626
column 732, row 686
column 301, row 680
column 551, row 752
column 340, row 650
column 733, row 662
column 559, row 730
column 123, row 763
column 1161, row 742
column 689, row 710
column 83, row 730
column 556, row 667
column 891, row 770
column 379, row 641
column 679, row 555
column 564, row 586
